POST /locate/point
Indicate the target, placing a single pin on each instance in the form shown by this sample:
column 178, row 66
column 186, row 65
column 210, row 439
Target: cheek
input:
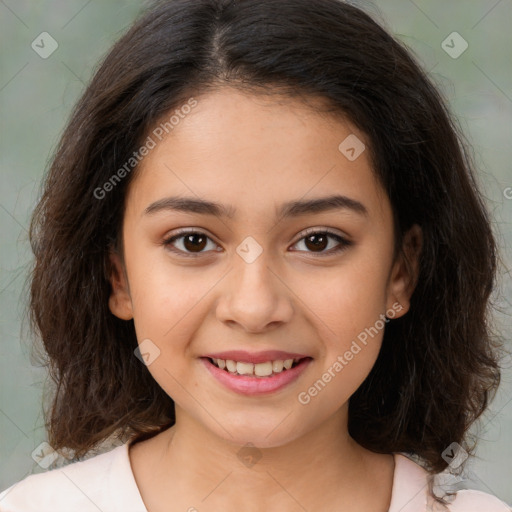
column 162, row 292
column 167, row 304
column 347, row 299
column 347, row 320
column 347, row 306
column 168, row 310
column 337, row 380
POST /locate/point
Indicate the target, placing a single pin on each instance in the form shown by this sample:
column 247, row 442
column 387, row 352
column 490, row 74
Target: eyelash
column 344, row 243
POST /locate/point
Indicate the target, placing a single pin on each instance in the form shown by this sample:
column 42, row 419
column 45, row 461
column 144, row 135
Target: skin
column 255, row 153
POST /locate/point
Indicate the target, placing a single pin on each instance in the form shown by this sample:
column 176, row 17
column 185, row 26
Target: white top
column 106, row 483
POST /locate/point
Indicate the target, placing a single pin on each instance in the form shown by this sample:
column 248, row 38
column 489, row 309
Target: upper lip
column 255, row 357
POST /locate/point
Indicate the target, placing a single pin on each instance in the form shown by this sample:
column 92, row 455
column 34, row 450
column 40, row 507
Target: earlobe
column 405, row 273
column 120, row 303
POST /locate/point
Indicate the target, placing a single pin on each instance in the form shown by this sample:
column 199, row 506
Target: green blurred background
column 36, row 97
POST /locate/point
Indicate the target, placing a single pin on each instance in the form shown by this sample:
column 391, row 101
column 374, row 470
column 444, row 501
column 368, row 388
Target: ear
column 120, row 302
column 405, row 272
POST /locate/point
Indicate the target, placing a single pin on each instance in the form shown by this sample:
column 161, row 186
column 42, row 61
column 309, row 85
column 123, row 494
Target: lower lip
column 256, row 385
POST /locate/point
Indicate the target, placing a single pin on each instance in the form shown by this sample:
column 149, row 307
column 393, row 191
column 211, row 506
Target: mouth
column 256, row 379
column 259, row 370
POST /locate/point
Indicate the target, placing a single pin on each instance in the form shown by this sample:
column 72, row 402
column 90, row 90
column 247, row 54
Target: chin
column 264, row 436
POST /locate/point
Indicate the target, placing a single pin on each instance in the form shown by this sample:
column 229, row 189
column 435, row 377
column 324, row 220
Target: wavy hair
column 438, row 366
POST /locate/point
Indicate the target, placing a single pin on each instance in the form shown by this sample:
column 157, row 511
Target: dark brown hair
column 438, row 365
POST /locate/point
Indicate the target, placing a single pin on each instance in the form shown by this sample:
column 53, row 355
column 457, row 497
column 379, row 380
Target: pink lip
column 256, row 385
column 256, row 357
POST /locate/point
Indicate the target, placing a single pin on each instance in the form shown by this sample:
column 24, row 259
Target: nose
column 254, row 297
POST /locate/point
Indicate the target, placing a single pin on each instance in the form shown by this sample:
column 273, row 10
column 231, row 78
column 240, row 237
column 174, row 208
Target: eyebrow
column 289, row 209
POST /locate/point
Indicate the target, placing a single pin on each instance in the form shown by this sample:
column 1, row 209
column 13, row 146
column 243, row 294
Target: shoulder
column 87, row 485
column 410, row 493
column 476, row 501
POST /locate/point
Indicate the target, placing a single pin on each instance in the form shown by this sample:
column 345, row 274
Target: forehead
column 252, row 152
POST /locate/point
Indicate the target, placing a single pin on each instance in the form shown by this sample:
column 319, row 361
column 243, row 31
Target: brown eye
column 194, row 242
column 191, row 243
column 318, row 241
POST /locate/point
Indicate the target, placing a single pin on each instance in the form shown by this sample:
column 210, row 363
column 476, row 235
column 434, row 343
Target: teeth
column 231, row 366
column 245, row 368
column 259, row 370
column 277, row 366
column 263, row 369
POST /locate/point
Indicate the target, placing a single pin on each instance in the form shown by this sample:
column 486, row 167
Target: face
column 315, row 279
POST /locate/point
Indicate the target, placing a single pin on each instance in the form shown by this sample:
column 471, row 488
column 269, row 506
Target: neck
column 193, row 466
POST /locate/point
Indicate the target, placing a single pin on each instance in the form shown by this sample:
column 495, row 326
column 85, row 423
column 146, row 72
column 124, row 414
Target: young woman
column 263, row 266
